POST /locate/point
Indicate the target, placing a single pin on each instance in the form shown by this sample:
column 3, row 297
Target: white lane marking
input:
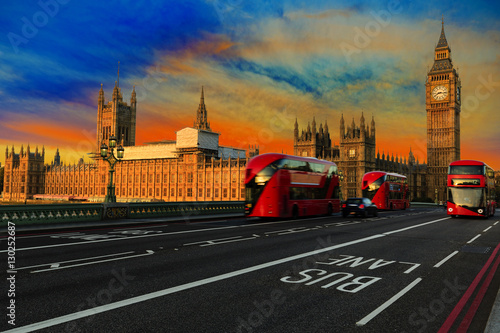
column 122, row 238
column 496, row 223
column 414, row 266
column 488, row 228
column 414, row 226
column 221, row 241
column 288, row 231
column 46, row 235
column 445, row 259
column 474, row 238
column 149, row 252
column 388, row 303
column 75, row 260
column 160, row 293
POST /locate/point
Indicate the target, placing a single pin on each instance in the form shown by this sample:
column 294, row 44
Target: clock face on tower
column 439, row 93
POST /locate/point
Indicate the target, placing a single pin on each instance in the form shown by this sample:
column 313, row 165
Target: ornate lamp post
column 111, row 159
column 341, row 179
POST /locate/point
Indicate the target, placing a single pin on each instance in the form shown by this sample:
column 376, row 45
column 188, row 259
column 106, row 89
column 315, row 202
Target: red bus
column 386, row 190
column 471, row 189
column 279, row 185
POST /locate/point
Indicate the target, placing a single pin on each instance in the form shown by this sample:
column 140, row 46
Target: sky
column 263, row 64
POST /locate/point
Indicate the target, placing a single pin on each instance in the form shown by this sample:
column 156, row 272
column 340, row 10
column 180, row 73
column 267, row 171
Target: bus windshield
column 466, row 170
column 370, row 191
column 466, row 197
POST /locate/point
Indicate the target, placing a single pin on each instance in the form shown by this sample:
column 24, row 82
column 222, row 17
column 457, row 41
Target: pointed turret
column 372, row 128
column 201, row 115
column 57, row 158
column 442, row 54
column 326, row 127
column 133, row 98
column 100, row 100
column 342, row 126
column 442, row 38
column 116, row 92
column 6, row 152
column 411, row 157
column 362, row 125
column 314, row 125
column 296, row 130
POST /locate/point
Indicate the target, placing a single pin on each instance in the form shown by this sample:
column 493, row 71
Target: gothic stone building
column 194, row 167
column 442, row 96
column 355, row 155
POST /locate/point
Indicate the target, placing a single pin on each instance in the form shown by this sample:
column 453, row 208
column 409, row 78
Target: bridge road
column 405, row 271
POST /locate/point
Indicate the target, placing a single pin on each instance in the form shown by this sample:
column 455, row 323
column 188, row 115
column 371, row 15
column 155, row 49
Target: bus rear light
column 344, row 205
column 361, row 206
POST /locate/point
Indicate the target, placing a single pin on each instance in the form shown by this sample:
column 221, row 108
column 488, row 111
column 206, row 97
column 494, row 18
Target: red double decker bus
column 279, row 185
column 471, row 189
column 386, row 190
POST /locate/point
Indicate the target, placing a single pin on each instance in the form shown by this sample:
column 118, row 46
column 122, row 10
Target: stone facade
column 116, row 117
column 443, row 99
column 23, row 174
column 192, row 168
column 355, row 156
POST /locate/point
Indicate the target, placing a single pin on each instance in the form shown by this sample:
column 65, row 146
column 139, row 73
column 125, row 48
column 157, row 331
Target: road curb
column 493, row 325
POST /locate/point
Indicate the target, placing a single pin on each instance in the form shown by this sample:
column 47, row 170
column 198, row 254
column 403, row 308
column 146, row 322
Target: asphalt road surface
column 416, row 270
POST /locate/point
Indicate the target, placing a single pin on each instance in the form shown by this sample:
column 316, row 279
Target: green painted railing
column 41, row 214
column 63, row 213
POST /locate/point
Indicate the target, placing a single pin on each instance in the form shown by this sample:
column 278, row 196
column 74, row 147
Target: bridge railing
column 64, row 213
column 54, row 213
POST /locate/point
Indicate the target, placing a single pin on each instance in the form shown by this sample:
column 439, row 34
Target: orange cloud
column 183, row 61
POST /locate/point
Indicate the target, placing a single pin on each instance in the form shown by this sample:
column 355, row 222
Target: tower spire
column 201, row 115
column 118, row 78
column 442, row 38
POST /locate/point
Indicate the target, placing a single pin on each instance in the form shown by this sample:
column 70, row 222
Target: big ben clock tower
column 443, row 98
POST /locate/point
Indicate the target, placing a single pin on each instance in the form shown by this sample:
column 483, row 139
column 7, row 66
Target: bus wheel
column 295, row 212
column 329, row 210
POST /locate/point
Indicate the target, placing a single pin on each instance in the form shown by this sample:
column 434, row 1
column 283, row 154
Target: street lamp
column 111, row 159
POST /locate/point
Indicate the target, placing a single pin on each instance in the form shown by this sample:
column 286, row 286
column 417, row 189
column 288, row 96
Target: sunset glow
column 262, row 65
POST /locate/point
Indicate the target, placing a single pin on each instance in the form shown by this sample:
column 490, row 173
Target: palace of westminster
column 195, row 167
